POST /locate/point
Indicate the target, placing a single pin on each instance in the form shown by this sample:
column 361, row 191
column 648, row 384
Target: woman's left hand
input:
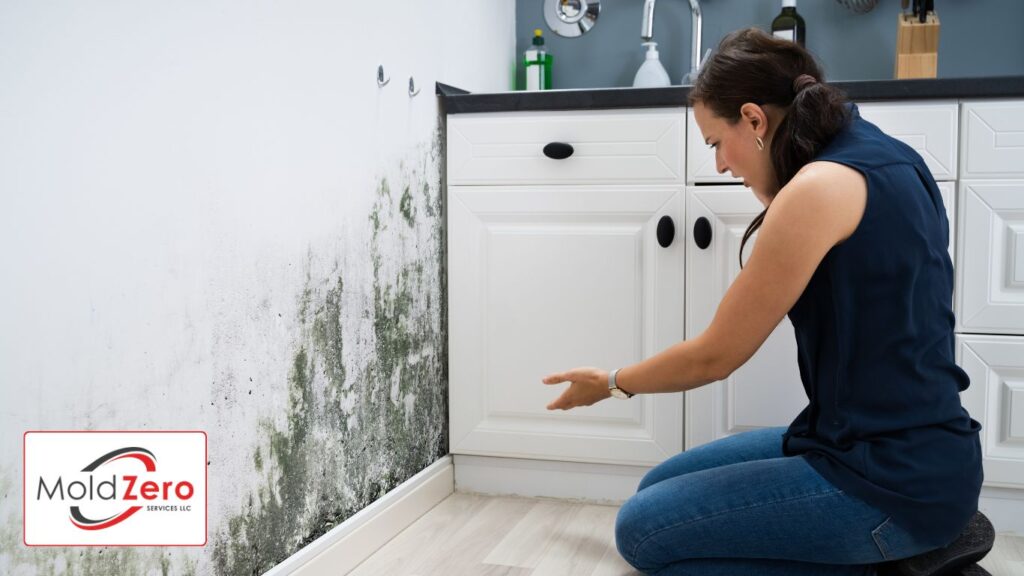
column 587, row 386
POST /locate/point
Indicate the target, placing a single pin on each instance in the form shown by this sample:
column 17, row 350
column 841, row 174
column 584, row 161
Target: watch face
column 618, row 393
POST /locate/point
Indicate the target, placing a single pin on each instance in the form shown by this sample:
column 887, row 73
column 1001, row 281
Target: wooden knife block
column 917, row 47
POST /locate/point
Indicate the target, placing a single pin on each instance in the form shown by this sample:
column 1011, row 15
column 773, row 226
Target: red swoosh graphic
column 115, row 520
column 146, row 460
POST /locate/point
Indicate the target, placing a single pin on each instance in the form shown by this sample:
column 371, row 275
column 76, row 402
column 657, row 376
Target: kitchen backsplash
column 977, row 38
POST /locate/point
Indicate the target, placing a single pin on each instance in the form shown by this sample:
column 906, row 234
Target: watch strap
column 612, row 385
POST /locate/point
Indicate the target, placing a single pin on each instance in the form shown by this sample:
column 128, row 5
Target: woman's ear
column 755, row 117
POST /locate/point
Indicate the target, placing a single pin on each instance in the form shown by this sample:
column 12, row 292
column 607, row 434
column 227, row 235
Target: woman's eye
column 713, row 146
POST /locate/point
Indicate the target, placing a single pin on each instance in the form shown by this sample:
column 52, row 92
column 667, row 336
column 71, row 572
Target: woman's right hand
column 587, row 385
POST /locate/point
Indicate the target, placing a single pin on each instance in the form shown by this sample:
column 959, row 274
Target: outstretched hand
column 587, row 386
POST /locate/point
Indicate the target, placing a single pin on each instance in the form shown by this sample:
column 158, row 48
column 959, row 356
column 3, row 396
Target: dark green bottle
column 789, row 24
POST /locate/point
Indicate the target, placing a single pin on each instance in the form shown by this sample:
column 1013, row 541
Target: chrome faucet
column 647, row 32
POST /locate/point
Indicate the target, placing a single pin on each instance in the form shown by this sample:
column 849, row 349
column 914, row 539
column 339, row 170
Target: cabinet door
column 930, row 128
column 544, row 279
column 995, row 398
column 990, row 257
column 766, row 391
column 993, row 141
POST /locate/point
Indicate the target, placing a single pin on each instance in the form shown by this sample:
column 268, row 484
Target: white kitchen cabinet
column 562, row 273
column 990, row 276
column 995, row 398
column 930, row 128
column 993, row 140
column 990, row 285
column 609, row 146
column 766, row 391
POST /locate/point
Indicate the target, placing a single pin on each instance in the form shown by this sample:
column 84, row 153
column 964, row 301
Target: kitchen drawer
column 700, row 158
column 993, row 139
column 990, row 257
column 609, row 146
column 995, row 398
column 929, row 128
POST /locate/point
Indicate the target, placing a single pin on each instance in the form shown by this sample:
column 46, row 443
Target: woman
column 881, row 472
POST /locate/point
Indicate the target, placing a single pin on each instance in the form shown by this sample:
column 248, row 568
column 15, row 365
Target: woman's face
column 736, row 149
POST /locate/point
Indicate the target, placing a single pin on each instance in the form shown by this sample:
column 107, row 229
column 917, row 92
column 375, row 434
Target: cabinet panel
column 766, row 391
column 930, row 128
column 990, row 257
column 993, row 140
column 700, row 158
column 609, row 146
column 543, row 279
column 995, row 398
column 948, row 191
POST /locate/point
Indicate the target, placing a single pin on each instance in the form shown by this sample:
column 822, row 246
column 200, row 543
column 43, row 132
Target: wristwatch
column 615, row 390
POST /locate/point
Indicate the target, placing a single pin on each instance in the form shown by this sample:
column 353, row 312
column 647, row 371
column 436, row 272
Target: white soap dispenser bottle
column 651, row 73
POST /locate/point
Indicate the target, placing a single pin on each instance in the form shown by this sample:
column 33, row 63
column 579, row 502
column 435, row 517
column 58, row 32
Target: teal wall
column 977, row 38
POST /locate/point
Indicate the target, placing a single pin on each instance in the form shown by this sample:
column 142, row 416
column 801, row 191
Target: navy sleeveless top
column 874, row 332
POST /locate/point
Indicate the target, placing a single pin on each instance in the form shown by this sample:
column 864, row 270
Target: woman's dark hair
column 753, row 66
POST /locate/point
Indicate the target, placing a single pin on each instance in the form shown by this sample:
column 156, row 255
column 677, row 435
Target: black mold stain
column 326, row 464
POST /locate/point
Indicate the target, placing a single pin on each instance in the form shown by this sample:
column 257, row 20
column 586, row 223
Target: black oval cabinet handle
column 558, row 150
column 666, row 231
column 702, row 233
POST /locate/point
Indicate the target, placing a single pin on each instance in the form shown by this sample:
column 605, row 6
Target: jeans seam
column 875, row 534
column 709, row 516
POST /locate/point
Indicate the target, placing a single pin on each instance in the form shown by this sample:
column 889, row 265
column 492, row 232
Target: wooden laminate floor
column 476, row 535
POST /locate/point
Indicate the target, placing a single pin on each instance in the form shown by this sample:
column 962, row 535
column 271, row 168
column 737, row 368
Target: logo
column 114, row 488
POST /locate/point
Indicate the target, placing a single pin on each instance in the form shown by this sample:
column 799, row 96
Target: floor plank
column 479, row 535
column 470, row 543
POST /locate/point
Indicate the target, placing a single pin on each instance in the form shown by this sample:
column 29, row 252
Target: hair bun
column 803, row 81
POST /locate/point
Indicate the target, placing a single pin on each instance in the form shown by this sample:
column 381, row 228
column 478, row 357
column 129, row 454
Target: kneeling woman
column 881, row 472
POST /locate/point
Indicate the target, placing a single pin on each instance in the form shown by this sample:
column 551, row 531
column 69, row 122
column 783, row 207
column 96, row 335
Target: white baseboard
column 1005, row 508
column 346, row 545
column 609, row 484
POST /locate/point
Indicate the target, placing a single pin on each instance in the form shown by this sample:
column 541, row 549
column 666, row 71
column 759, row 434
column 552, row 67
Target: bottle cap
column 789, row 3
column 652, row 49
column 538, row 37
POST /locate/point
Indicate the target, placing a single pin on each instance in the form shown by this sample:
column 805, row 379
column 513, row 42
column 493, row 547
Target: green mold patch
column 322, row 462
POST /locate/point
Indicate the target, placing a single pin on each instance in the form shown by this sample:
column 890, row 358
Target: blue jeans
column 737, row 507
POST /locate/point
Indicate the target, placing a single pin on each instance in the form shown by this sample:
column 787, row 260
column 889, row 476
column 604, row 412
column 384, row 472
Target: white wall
column 176, row 180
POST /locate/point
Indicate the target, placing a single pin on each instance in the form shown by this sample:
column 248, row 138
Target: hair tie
column 803, row 81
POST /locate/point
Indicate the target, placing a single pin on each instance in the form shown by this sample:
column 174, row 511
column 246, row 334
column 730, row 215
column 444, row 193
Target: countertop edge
column 458, row 101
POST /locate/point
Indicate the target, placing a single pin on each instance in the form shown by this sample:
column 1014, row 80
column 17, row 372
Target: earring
column 759, row 142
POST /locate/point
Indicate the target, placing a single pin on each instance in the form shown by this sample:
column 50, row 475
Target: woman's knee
column 653, row 476
column 628, row 527
column 633, row 531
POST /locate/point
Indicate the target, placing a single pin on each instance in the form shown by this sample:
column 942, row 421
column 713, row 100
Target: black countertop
column 457, row 101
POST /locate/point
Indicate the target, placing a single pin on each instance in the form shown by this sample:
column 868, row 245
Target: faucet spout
column 647, row 26
column 695, row 39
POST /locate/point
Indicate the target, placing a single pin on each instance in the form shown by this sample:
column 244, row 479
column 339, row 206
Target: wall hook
column 382, row 81
column 413, row 90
